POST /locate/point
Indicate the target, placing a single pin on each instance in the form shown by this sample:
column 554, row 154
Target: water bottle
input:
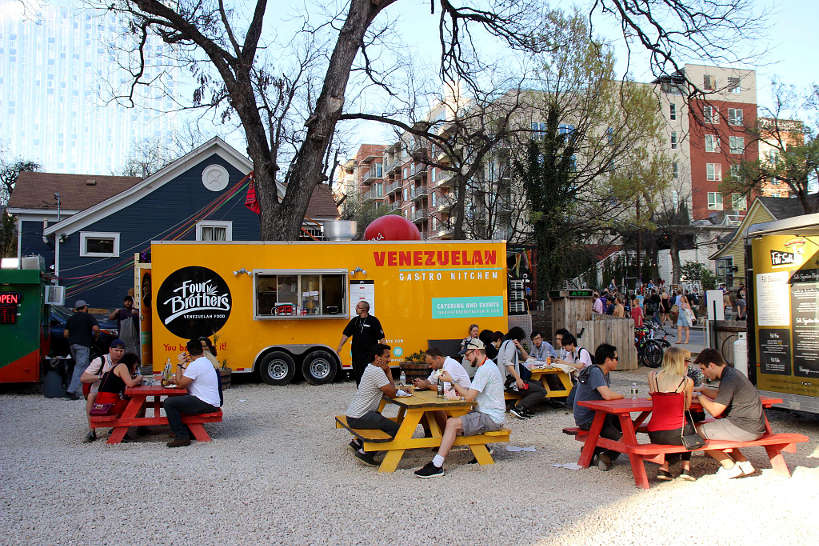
column 440, row 387
column 634, row 391
column 403, row 378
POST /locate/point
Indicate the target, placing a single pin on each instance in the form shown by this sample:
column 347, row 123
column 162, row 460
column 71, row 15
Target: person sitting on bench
column 738, row 403
column 376, row 381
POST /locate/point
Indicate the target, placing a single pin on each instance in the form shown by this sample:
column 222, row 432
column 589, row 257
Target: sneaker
column 430, row 471
column 179, row 442
column 686, row 477
column 366, row 458
column 604, row 462
column 72, row 396
column 664, row 475
column 520, row 413
column 356, row 444
column 746, row 467
column 90, row 437
column 475, row 461
column 728, row 473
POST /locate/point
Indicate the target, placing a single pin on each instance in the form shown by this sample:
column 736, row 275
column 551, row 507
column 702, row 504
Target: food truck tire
column 277, row 368
column 319, row 367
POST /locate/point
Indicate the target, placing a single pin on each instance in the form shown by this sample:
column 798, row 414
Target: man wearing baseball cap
column 80, row 329
column 93, row 374
column 487, row 391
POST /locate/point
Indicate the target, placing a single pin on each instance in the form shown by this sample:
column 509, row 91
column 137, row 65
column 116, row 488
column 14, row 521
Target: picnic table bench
column 139, row 400
column 418, row 409
column 773, row 443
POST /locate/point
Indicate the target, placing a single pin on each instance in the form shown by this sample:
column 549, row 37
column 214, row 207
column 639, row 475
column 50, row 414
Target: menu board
column 771, row 294
column 805, row 316
column 362, row 291
column 775, row 351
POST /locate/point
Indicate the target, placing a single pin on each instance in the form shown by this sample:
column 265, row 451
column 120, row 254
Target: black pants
column 359, row 364
column 531, row 396
column 611, row 430
column 175, row 406
column 672, row 438
column 374, row 420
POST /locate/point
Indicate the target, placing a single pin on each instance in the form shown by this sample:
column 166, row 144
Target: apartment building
column 774, row 136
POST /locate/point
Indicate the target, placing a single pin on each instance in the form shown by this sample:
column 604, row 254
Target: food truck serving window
column 289, row 294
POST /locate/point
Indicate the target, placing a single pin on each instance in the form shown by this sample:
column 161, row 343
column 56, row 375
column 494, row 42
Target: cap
column 117, row 343
column 475, row 343
column 80, row 304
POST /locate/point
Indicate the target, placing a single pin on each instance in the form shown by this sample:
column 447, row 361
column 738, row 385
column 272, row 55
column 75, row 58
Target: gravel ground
column 278, row 471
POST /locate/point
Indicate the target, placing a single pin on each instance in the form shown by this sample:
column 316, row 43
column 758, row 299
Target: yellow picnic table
column 557, row 383
column 418, row 409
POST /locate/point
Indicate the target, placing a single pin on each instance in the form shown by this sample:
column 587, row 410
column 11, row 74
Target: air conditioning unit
column 54, row 295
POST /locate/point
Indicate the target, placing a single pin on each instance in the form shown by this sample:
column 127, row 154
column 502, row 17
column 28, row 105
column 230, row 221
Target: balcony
column 419, row 192
column 420, row 215
column 393, row 187
column 446, row 180
column 419, row 172
column 373, row 195
column 395, row 205
column 372, row 176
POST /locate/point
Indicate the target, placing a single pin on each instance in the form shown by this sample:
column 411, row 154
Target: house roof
column 322, row 205
column 34, row 191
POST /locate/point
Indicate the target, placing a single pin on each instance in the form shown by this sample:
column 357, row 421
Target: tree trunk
column 460, row 206
column 674, row 250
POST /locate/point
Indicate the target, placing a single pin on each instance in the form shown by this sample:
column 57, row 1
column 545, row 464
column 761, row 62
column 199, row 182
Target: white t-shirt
column 205, row 384
column 581, row 354
column 453, row 368
column 507, row 356
column 489, row 384
column 369, row 393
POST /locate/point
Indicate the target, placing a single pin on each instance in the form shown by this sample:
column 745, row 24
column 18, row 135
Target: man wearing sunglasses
column 593, row 384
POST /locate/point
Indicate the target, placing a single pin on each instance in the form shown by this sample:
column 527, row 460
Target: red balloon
column 391, row 228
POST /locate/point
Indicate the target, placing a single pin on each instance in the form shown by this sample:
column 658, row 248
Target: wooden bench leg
column 778, row 460
column 199, row 432
column 481, row 454
column 117, row 434
column 638, row 468
column 391, row 460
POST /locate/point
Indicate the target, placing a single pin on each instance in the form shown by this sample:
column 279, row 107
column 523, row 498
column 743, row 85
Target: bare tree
column 151, row 154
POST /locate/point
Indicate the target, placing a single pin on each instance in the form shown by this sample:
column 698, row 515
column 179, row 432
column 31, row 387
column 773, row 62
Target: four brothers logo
column 193, row 301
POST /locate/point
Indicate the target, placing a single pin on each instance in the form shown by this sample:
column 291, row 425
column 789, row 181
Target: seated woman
column 112, row 386
column 209, row 351
column 473, row 334
column 670, row 390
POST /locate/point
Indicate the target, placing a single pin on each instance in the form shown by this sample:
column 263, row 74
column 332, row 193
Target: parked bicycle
column 651, row 342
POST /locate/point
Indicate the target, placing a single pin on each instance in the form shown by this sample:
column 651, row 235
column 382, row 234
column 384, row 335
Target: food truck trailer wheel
column 277, row 368
column 319, row 367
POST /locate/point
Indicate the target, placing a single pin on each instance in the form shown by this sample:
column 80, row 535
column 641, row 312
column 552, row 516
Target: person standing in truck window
column 366, row 332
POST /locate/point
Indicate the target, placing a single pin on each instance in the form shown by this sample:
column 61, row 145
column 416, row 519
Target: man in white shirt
column 202, row 382
column 487, row 391
column 376, row 381
column 440, row 363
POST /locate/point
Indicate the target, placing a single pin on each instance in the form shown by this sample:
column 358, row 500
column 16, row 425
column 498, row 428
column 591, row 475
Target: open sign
column 10, row 298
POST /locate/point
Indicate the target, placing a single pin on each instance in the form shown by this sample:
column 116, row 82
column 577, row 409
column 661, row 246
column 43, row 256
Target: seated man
column 202, row 382
column 737, row 401
column 436, row 360
column 540, row 348
column 593, row 384
column 577, row 357
column 93, row 374
column 376, row 381
column 510, row 357
column 487, row 391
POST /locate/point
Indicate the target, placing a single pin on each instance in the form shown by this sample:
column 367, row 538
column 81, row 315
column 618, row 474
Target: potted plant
column 415, row 366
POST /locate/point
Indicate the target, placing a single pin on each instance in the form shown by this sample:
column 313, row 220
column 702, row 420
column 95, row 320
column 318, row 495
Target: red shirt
column 637, row 316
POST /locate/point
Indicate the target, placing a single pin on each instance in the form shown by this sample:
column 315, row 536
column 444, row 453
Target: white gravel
column 278, row 471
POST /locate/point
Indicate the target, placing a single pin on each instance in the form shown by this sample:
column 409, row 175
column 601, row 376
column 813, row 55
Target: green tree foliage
column 9, row 171
column 695, row 271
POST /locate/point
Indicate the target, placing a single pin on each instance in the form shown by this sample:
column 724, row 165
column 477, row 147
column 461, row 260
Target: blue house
column 200, row 196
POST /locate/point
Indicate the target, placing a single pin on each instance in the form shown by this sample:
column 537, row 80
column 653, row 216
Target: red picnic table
column 138, row 399
column 638, row 453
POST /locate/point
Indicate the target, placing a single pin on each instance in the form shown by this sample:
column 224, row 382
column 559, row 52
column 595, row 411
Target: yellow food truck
column 783, row 317
column 278, row 308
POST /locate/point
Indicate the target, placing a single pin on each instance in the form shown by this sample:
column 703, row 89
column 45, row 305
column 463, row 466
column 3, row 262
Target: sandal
column 664, row 475
column 685, row 476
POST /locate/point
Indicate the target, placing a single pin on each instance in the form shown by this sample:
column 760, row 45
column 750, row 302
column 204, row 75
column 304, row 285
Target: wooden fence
column 615, row 331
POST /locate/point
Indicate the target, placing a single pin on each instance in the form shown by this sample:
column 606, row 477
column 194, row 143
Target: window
column 676, row 169
column 565, row 129
column 405, row 194
column 711, row 143
column 673, row 140
column 299, row 294
column 672, row 111
column 737, row 144
column 709, row 82
column 738, row 201
column 734, row 86
column 714, row 200
column 734, row 168
column 98, row 244
column 434, row 199
column 214, row 230
column 406, row 175
column 734, row 116
column 538, row 130
column 710, row 114
column 432, row 174
column 713, row 172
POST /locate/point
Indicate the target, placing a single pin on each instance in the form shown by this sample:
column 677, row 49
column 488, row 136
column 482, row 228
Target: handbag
column 690, row 441
column 101, row 409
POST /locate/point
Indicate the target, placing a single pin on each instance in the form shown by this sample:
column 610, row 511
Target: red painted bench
column 194, row 423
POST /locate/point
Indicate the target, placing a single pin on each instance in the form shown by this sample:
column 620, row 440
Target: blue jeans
column 81, row 355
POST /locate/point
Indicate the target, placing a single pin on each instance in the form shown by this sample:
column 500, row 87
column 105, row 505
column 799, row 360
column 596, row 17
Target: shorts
column 723, row 429
column 476, row 422
column 683, row 320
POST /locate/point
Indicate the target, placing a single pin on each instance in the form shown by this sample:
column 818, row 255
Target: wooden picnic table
column 138, row 399
column 628, row 442
column 418, row 409
column 557, row 383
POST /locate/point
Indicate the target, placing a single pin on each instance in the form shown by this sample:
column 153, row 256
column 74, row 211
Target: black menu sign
column 805, row 322
column 775, row 351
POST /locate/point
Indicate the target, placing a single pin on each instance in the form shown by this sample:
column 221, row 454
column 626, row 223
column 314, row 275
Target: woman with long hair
column 670, row 389
column 683, row 319
column 113, row 384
